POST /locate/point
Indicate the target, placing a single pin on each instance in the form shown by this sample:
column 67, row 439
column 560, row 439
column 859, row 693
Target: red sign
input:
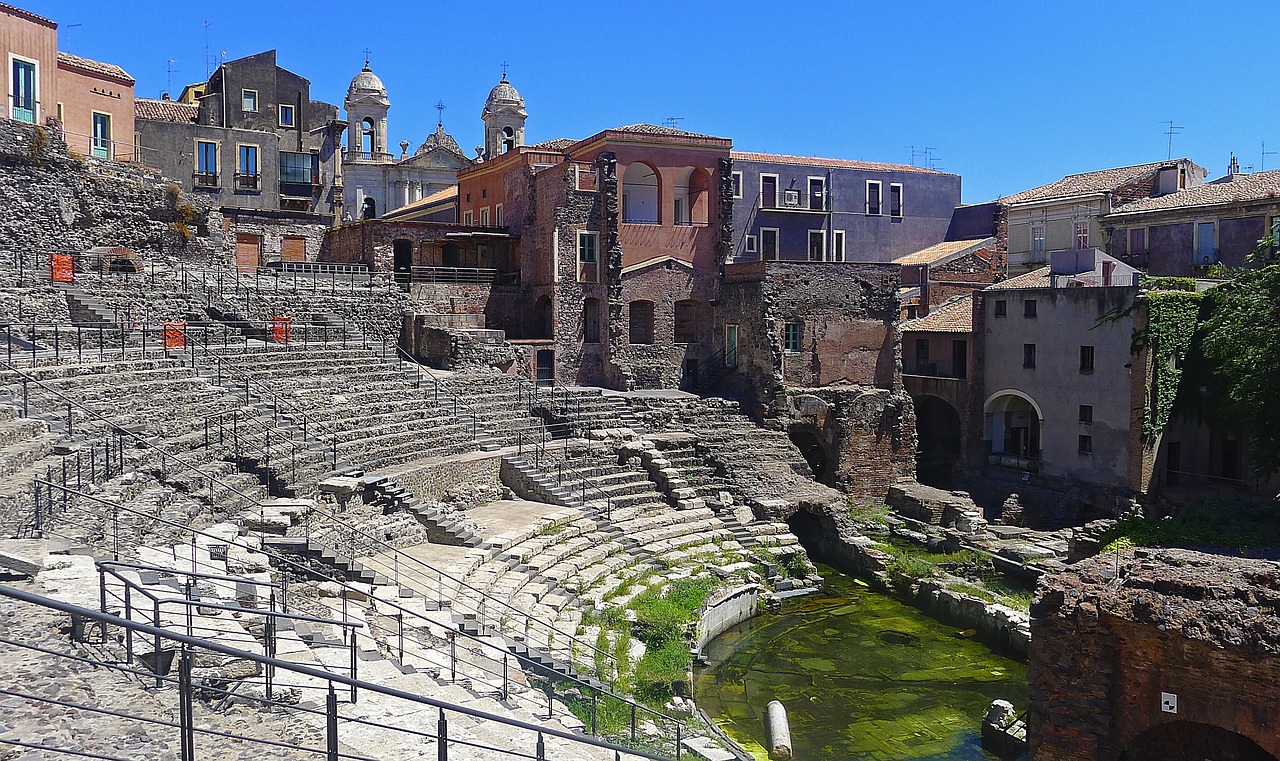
column 175, row 335
column 280, row 329
column 62, row 268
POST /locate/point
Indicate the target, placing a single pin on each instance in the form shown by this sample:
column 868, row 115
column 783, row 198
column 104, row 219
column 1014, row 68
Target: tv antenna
column 170, row 64
column 1263, row 164
column 673, row 121
column 207, row 60
column 65, row 27
column 1170, row 132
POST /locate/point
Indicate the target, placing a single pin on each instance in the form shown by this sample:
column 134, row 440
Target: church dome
column 440, row 139
column 366, row 83
column 503, row 96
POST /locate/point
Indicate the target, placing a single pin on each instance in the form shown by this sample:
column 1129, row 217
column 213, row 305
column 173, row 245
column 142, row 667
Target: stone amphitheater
column 325, row 500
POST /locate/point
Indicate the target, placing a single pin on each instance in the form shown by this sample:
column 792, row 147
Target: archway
column 640, row 195
column 938, row 434
column 402, row 259
column 1192, row 741
column 1012, row 425
column 543, row 320
column 368, row 139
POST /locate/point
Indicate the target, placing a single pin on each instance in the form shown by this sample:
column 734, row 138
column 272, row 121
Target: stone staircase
column 86, row 309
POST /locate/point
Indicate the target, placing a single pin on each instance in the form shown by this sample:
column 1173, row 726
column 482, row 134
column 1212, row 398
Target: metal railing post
column 442, row 738
column 331, row 724
column 186, row 713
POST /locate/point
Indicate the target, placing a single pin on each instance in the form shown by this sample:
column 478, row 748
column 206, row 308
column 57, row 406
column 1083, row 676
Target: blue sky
column 1010, row 95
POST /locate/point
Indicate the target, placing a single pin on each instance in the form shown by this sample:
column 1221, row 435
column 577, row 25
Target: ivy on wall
column 1172, row 317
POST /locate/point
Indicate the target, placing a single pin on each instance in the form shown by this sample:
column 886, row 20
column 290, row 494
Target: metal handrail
column 314, row 673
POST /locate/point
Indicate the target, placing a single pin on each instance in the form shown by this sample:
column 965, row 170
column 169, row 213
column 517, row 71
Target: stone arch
column 700, row 197
column 641, row 194
column 1192, row 741
column 939, row 430
column 508, row 139
column 368, row 138
column 1012, row 427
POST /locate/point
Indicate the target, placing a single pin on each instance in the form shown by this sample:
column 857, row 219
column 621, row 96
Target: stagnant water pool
column 862, row 676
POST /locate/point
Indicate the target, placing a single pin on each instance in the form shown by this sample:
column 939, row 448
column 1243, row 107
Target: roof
column 164, row 110
column 952, row 316
column 440, row 140
column 503, row 93
column 1087, row 182
column 1035, row 279
column 438, row 197
column 366, row 81
column 28, row 15
column 555, row 144
column 944, row 250
column 653, row 129
column 94, row 67
column 878, row 166
column 1230, row 189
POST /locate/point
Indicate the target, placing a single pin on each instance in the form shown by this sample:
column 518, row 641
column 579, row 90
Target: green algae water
column 862, row 675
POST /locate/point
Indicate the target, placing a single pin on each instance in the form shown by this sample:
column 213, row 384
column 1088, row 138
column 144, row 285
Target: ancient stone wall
column 51, row 201
column 274, row 227
column 868, row 435
column 1133, row 650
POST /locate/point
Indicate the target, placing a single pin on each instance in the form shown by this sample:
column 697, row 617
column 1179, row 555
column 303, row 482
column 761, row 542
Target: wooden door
column 293, row 249
column 248, row 251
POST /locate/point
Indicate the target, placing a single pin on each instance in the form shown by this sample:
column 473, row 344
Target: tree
column 1239, row 342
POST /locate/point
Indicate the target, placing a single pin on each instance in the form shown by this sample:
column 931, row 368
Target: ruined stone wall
column 274, row 228
column 50, row 201
column 1108, row 653
column 868, row 435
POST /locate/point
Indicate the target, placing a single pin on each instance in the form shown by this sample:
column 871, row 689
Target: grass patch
column 1224, row 524
column 867, row 514
column 965, row 588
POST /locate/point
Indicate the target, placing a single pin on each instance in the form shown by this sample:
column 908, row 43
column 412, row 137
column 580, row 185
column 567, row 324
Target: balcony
column 248, row 181
column 204, row 180
column 957, row 370
column 789, row 200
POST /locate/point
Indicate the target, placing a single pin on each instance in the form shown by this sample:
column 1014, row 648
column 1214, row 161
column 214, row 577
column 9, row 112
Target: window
column 641, row 319
column 587, row 242
column 247, row 167
column 468, row 198
column 468, row 219
column 817, row 193
column 681, row 215
column 687, row 321
column 22, row 89
column 287, row 116
column 248, row 100
column 817, row 246
column 791, row 337
column 1082, row 234
column 1138, row 241
column 101, row 135
column 1029, row 308
column 1086, row 413
column 736, row 181
column 591, row 321
column 873, row 198
column 1086, row 359
column 508, row 139
column 1085, row 445
column 837, row 245
column 1206, row 243
column 484, row 193
column 497, row 215
column 1037, row 239
column 206, row 163
column 749, row 244
column 768, row 191
column 301, row 168
column 895, row 199
column 768, row 243
column 1002, row 308
column 484, row 217
column 1028, row 355
column 922, row 350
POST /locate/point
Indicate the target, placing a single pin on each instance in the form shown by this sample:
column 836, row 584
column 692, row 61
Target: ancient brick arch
column 1156, row 652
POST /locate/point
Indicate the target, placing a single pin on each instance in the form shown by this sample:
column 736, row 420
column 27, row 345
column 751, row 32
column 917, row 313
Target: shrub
column 662, row 671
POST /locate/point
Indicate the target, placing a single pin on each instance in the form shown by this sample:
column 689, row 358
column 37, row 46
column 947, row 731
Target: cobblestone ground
column 38, row 675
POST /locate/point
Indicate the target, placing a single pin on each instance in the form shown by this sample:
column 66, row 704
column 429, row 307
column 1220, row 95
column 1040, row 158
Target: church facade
column 377, row 180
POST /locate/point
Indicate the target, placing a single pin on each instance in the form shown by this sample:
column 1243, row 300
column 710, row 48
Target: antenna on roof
column 1171, row 131
column 171, row 62
column 672, row 121
column 207, row 60
column 1262, row 166
column 64, row 28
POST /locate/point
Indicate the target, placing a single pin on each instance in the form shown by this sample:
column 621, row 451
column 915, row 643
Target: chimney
column 1233, row 168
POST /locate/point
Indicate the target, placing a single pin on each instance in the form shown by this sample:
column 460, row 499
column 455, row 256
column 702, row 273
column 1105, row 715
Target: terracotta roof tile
column 1035, row 279
column 28, row 15
column 556, row 144
column 95, row 67
column 944, row 250
column 1086, row 182
column 653, row 129
column 952, row 316
column 164, row 110
column 876, row 166
column 1230, row 189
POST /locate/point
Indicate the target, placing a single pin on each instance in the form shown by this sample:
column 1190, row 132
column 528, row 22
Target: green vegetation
column 869, row 514
column 1172, row 317
column 1169, row 284
column 1212, row 523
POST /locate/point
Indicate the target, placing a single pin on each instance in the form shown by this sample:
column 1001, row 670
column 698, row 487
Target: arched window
column 641, row 315
column 508, row 139
column 368, row 138
column 591, row 321
column 690, row 204
column 640, row 194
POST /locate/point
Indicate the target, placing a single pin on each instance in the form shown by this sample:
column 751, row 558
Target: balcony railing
column 205, row 180
column 248, row 181
column 788, row 199
column 935, row 369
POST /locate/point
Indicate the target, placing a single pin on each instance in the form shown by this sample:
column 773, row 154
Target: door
column 402, row 259
column 959, row 359
column 293, row 249
column 546, row 367
column 730, row 345
column 1206, row 249
column 768, row 192
column 816, row 194
column 23, row 87
column 101, row 135
column 1173, row 463
column 248, row 251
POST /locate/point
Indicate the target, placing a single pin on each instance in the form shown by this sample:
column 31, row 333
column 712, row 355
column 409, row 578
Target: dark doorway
column 546, row 367
column 543, row 323
column 815, row 454
column 1173, row 463
column 402, row 259
column 449, row 256
column 938, row 434
column 1191, row 741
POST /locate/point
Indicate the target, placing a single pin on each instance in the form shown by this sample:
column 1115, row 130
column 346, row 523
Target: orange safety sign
column 62, row 268
column 280, row 329
column 175, row 335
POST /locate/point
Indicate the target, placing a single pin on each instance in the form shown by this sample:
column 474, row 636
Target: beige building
column 1064, row 215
